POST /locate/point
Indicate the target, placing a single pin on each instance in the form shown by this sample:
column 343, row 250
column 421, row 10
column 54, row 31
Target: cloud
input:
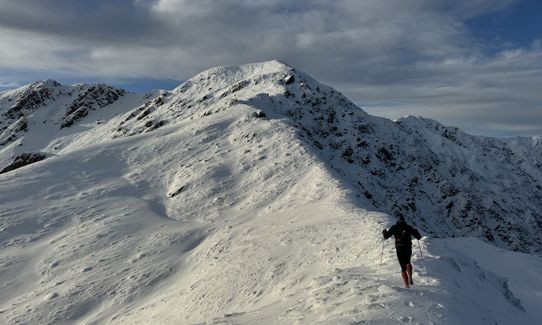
column 493, row 96
column 9, row 85
column 395, row 57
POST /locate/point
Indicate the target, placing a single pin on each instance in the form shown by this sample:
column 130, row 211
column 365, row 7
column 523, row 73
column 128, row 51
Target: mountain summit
column 250, row 194
column 446, row 181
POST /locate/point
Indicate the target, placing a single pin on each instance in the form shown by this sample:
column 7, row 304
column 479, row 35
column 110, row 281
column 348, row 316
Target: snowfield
column 255, row 195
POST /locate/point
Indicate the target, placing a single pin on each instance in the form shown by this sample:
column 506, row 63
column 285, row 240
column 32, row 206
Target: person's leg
column 402, row 257
column 408, row 265
column 409, row 274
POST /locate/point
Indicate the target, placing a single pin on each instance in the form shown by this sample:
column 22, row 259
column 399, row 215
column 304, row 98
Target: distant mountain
column 444, row 180
column 255, row 195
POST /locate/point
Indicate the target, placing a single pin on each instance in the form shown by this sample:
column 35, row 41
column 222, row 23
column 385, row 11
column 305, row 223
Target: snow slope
column 253, row 194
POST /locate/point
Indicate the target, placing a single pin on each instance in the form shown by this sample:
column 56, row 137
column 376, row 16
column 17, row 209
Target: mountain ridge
column 254, row 194
column 436, row 175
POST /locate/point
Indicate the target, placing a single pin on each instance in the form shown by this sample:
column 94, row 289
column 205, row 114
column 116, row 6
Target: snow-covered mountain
column 254, row 194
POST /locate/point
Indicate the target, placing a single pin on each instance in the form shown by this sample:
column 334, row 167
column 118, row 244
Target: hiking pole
column 423, row 260
column 380, row 266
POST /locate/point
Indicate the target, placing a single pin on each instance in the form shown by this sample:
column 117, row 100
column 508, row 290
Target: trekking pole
column 423, row 260
column 380, row 266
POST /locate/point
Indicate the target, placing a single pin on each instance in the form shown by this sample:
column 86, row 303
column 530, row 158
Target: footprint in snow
column 361, row 322
column 378, row 306
column 411, row 304
column 437, row 311
column 406, row 319
column 373, row 298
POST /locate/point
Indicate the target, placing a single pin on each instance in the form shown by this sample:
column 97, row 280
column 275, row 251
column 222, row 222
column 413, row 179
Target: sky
column 475, row 64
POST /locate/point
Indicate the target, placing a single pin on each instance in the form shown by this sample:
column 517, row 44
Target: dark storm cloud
column 93, row 21
column 396, row 57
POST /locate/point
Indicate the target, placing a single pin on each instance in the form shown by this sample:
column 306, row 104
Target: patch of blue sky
column 519, row 25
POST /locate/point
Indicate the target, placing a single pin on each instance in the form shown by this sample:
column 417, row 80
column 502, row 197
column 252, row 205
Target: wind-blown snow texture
column 254, row 194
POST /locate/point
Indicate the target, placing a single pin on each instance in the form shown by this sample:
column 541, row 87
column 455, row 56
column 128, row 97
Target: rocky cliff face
column 59, row 105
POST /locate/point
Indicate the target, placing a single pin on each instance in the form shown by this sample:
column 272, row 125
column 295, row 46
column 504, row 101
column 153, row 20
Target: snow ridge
column 254, row 194
column 447, row 182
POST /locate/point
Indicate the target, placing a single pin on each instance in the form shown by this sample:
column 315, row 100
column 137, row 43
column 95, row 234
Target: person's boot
column 405, row 279
column 409, row 273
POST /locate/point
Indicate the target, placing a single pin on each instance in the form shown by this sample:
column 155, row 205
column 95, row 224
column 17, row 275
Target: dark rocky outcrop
column 35, row 96
column 23, row 160
column 96, row 97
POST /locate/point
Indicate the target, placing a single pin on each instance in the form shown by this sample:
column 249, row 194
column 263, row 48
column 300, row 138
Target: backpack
column 402, row 236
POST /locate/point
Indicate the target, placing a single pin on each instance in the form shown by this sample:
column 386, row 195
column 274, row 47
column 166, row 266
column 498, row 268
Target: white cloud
column 397, row 57
column 9, row 85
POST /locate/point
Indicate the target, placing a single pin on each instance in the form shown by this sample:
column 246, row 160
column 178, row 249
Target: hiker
column 403, row 245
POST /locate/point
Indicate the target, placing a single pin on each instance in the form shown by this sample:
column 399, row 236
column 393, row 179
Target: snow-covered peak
column 265, row 76
column 417, row 121
column 526, row 142
column 32, row 116
column 19, row 102
column 238, row 72
column 23, row 101
column 37, row 85
column 222, row 88
column 227, row 75
column 254, row 194
column 47, row 83
column 440, row 177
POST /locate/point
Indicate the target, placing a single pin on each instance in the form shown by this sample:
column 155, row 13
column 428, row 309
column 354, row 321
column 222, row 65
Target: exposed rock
column 96, row 97
column 290, row 79
column 23, row 160
column 259, row 114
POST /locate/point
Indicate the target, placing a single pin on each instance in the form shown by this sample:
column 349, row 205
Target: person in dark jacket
column 403, row 233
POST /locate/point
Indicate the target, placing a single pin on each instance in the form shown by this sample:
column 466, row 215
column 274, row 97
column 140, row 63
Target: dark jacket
column 402, row 233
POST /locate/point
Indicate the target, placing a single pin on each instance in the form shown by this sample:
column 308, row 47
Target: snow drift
column 255, row 194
